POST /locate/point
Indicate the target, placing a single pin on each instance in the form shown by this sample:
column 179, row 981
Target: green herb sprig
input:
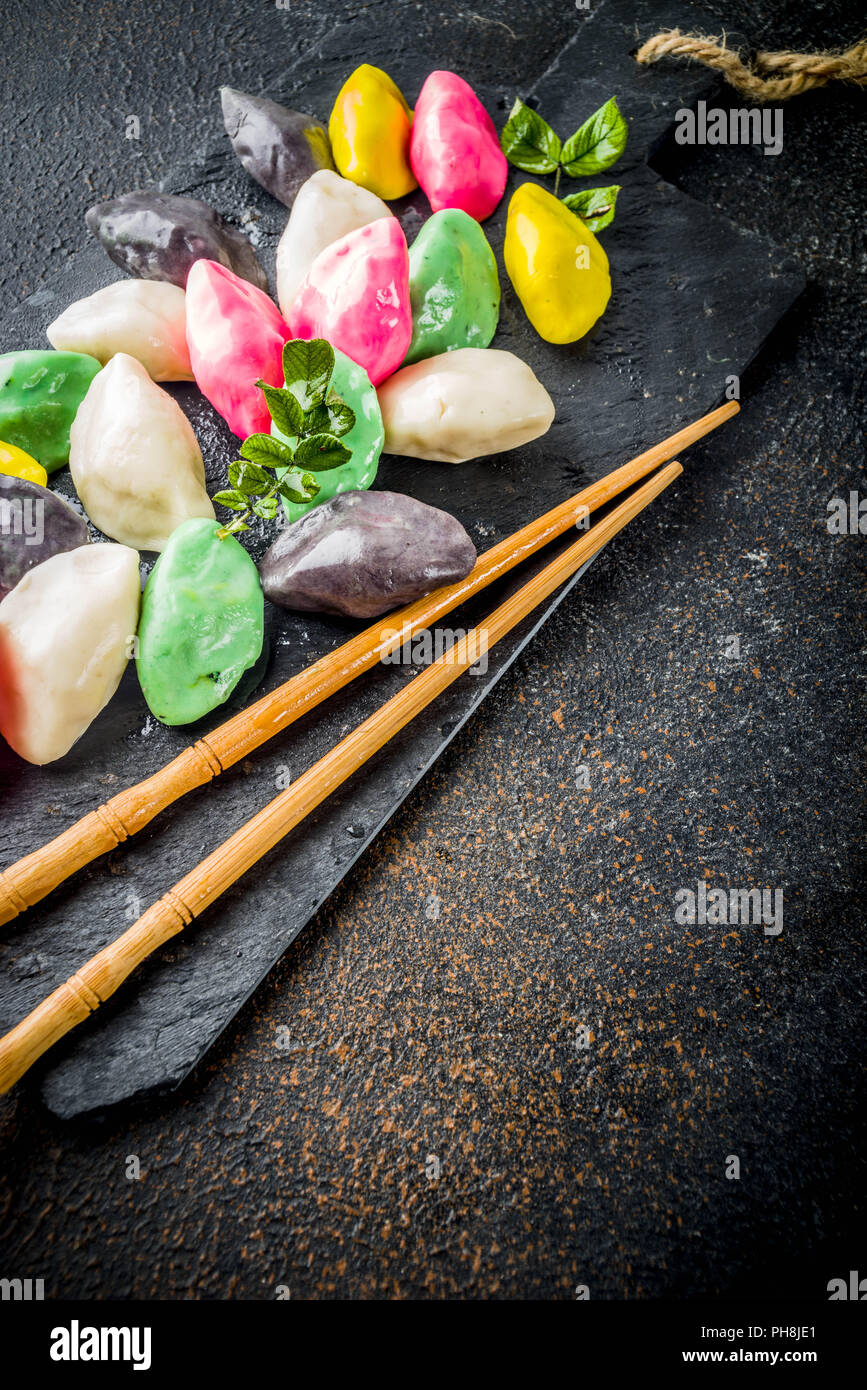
column 595, row 206
column 304, row 410
column 530, row 144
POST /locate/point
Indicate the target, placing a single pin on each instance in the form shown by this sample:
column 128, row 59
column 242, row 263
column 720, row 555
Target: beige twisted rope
column 802, row 70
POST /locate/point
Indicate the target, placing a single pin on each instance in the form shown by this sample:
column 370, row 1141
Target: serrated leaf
column 298, row 487
column 317, row 420
column 249, row 478
column 528, row 141
column 283, row 409
column 595, row 206
column 265, row 449
column 266, row 507
column 322, row 452
column 235, row 501
column 307, row 369
column 342, row 417
column 597, row 144
column 334, row 417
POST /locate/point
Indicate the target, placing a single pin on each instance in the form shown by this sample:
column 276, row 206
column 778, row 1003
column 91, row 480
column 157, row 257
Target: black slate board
column 694, row 298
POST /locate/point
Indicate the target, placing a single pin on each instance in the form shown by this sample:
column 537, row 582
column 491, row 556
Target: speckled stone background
column 431, row 1011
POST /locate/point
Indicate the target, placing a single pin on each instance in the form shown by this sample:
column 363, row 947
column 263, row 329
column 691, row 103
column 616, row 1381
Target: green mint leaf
column 298, row 487
column 528, row 141
column 266, row 507
column 598, row 143
column 307, row 368
column 235, row 501
column 595, row 206
column 248, row 478
column 321, row 452
column 283, row 409
column 267, row 451
column 342, row 416
column 334, row 417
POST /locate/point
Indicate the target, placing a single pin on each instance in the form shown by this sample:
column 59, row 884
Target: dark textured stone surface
column 432, row 1007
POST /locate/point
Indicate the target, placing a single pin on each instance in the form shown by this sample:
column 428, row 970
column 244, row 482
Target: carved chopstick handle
column 33, row 877
column 81, row 995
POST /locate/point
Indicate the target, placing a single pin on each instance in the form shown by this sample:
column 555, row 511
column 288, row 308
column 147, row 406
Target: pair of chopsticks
column 26, row 882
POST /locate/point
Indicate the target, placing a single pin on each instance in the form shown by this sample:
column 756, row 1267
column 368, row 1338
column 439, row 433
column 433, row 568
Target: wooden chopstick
column 96, row 981
column 29, row 880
